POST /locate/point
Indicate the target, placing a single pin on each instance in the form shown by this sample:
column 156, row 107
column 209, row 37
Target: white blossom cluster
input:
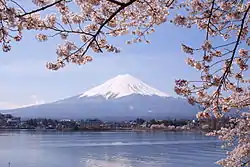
column 237, row 135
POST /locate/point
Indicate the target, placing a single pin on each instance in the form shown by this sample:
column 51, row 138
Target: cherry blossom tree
column 222, row 59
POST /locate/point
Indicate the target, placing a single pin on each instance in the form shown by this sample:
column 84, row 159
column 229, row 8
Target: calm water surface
column 108, row 149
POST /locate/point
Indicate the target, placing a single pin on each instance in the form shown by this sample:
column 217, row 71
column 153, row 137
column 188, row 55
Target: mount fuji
column 121, row 86
column 122, row 97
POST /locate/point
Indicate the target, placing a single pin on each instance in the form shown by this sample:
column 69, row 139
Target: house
column 13, row 122
column 91, row 124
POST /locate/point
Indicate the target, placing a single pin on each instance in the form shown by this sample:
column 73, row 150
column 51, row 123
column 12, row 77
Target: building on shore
column 91, row 124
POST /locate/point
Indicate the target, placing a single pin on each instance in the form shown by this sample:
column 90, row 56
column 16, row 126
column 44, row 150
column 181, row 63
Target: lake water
column 108, row 149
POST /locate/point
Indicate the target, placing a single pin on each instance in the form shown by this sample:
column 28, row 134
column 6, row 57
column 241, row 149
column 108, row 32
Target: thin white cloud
column 9, row 105
column 36, row 100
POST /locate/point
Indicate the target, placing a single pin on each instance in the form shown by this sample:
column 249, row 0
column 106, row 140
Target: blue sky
column 25, row 80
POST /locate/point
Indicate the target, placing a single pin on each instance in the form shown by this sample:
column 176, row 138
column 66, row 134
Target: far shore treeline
column 9, row 122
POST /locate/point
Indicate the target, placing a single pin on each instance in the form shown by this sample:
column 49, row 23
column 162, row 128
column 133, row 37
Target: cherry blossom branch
column 228, row 44
column 18, row 5
column 209, row 19
column 42, row 8
column 234, row 51
column 106, row 21
column 70, row 31
column 116, row 2
column 94, row 36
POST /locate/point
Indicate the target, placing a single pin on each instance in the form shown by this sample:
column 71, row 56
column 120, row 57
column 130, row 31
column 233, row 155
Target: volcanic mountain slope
column 123, row 96
column 123, row 85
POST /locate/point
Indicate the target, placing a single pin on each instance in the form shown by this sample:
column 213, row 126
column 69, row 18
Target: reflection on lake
column 108, row 149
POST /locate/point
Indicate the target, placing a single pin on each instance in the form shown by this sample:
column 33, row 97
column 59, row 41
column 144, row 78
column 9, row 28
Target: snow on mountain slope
column 138, row 100
column 120, row 86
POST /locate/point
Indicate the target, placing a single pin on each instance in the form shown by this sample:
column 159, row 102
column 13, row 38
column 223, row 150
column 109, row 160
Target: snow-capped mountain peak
column 120, row 86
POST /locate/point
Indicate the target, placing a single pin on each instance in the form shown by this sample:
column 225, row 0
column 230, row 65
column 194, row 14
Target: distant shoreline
column 101, row 130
